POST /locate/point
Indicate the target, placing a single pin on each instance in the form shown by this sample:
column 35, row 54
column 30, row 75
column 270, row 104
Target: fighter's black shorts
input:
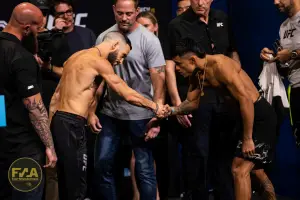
column 69, row 135
column 264, row 134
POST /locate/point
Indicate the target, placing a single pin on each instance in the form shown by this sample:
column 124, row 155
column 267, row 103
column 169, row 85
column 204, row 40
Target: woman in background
column 148, row 20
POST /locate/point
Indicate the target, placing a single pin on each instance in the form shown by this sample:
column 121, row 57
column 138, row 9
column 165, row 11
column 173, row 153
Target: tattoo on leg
column 269, row 192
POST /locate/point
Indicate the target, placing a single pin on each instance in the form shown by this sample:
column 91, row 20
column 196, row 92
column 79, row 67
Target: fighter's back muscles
column 106, row 71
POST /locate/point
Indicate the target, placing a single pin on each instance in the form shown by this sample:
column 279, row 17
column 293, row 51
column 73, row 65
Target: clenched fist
column 248, row 148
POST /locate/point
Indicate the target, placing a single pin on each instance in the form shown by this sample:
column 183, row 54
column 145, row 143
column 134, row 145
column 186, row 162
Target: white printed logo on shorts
column 220, row 24
column 84, row 162
column 30, row 87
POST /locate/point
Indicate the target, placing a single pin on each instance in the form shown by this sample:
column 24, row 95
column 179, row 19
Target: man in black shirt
column 27, row 133
column 211, row 29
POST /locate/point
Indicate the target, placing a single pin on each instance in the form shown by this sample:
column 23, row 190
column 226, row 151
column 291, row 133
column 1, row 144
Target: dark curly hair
column 188, row 45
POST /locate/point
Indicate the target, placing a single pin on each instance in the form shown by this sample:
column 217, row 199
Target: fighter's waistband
column 71, row 116
column 260, row 97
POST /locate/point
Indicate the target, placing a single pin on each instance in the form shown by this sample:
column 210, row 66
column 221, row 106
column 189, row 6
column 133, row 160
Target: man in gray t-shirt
column 138, row 71
column 143, row 71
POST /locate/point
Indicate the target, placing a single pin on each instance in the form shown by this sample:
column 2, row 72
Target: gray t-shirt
column 146, row 53
column 290, row 39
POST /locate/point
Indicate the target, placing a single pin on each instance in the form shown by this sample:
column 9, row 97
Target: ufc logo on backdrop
column 77, row 20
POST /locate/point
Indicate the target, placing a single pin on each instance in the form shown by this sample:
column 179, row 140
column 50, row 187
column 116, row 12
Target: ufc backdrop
column 98, row 15
column 255, row 24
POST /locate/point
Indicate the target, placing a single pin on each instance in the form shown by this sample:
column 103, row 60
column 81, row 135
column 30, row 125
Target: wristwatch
column 294, row 54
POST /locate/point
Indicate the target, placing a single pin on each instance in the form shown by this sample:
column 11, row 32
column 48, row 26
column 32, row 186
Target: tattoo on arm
column 39, row 119
column 184, row 108
column 269, row 191
column 160, row 69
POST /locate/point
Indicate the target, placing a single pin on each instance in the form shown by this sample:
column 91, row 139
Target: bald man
column 77, row 93
column 27, row 133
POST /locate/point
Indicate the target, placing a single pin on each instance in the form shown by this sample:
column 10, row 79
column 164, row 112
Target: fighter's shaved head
column 116, row 35
column 25, row 14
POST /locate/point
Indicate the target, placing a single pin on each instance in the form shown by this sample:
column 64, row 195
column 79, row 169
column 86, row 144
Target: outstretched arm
column 130, row 95
column 105, row 69
column 191, row 103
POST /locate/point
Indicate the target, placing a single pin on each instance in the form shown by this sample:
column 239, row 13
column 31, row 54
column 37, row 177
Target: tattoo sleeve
column 39, row 119
column 185, row 108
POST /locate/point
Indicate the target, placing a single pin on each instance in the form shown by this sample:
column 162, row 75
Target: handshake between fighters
column 163, row 111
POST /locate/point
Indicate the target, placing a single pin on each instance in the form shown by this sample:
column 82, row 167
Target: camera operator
column 75, row 38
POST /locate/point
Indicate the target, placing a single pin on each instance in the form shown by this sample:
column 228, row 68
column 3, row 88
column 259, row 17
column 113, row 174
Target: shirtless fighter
column 259, row 118
column 75, row 93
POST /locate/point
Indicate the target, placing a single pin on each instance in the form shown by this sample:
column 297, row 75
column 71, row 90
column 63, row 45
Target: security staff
column 27, row 133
